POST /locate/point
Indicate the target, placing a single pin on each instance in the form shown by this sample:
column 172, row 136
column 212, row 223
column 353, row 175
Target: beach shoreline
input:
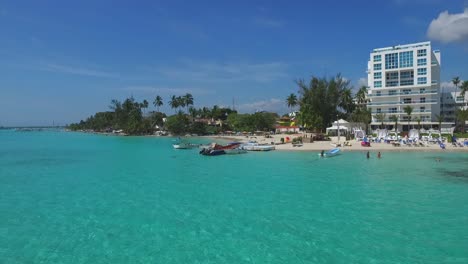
column 326, row 145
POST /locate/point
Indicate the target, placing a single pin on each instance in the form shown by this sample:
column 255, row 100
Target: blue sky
column 61, row 61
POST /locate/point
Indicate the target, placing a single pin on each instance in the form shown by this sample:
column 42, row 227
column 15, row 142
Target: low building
column 287, row 129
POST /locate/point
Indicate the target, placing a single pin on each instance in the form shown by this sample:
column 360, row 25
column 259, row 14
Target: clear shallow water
column 80, row 198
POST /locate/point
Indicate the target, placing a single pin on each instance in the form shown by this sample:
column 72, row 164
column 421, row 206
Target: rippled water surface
column 80, row 198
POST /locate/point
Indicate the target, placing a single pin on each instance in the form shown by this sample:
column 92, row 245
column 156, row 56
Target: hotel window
column 406, row 91
column 392, row 92
column 377, row 67
column 422, row 80
column 406, row 74
column 391, row 76
column 406, row 82
column 379, row 110
column 422, row 53
column 377, row 84
column 406, row 59
column 422, row 100
column 378, row 93
column 391, row 79
column 391, row 61
column 392, row 110
column 377, row 58
column 422, row 90
column 422, row 62
column 377, row 75
column 422, row 71
column 407, row 101
column 422, row 109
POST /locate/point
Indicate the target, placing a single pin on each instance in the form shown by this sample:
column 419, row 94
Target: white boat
column 331, row 153
column 254, row 146
column 184, row 145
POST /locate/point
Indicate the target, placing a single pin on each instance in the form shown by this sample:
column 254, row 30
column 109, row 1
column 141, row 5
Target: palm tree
column 145, row 104
column 180, row 102
column 456, row 82
column 188, row 100
column 408, row 110
column 291, row 100
column 361, row 96
column 347, row 101
column 440, row 119
column 174, row 103
column 418, row 119
column 380, row 118
column 394, row 118
column 462, row 115
column 193, row 112
column 158, row 102
column 206, row 113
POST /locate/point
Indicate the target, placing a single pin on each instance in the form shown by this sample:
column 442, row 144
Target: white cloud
column 448, row 87
column 361, row 82
column 76, row 70
column 268, row 22
column 449, row 27
column 225, row 72
column 270, row 105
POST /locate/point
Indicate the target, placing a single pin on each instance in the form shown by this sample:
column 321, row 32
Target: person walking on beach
column 368, row 155
column 378, row 155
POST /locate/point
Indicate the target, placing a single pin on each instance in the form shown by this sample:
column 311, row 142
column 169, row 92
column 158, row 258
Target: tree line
column 129, row 116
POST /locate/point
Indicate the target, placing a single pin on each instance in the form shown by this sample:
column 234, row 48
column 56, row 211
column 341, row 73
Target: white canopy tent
column 335, row 128
column 341, row 122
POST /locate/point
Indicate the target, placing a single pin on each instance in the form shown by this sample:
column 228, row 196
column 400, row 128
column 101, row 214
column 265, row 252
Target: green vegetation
column 261, row 121
column 323, row 100
column 126, row 115
column 408, row 110
column 129, row 117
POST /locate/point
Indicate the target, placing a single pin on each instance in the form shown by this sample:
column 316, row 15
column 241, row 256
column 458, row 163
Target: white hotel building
column 404, row 75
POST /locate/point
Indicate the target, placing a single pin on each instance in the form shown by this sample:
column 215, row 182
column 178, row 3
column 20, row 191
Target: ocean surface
column 81, row 198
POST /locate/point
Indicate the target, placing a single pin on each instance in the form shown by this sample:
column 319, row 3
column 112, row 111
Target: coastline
column 326, row 145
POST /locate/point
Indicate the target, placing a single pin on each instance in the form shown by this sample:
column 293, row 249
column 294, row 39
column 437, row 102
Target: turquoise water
column 81, row 198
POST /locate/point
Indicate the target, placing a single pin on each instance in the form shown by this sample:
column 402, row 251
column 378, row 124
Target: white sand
column 326, row 145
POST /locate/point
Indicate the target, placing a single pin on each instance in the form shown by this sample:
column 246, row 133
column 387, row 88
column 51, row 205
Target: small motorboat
column 254, row 146
column 212, row 152
column 331, row 153
column 185, row 145
column 216, row 149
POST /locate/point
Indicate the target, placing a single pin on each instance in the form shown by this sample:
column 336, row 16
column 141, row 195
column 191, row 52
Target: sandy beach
column 326, row 145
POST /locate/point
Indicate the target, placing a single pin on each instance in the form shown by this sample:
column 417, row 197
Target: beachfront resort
column 233, row 132
column 404, row 104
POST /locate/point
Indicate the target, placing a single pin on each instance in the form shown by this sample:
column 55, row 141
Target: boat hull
column 256, row 147
column 331, row 153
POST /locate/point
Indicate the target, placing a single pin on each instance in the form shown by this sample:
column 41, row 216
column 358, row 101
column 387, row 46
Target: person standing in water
column 368, row 155
column 321, row 153
column 378, row 155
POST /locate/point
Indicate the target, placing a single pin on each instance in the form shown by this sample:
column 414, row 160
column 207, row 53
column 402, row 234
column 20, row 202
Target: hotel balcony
column 403, row 121
column 412, row 102
column 428, row 92
column 415, row 111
